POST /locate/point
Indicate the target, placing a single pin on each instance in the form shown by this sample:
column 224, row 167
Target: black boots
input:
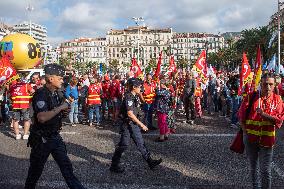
column 153, row 163
column 116, row 169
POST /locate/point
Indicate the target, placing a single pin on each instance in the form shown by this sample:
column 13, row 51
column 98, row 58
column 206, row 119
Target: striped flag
column 257, row 70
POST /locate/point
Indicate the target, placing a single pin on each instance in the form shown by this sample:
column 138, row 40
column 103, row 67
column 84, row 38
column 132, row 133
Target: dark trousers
column 260, row 159
column 148, row 114
column 189, row 107
column 127, row 131
column 56, row 147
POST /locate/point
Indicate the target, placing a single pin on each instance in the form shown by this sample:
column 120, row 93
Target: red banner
column 7, row 71
column 158, row 69
column 201, row 67
column 135, row 68
column 245, row 74
column 257, row 70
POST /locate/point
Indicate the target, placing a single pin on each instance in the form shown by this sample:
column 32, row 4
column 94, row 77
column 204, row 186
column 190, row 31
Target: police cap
column 54, row 69
column 135, row 82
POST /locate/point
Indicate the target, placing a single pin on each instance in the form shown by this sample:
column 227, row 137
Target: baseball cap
column 134, row 82
column 54, row 69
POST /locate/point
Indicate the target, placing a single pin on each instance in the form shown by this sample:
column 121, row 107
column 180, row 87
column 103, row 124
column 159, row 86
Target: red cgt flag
column 245, row 73
column 201, row 67
column 135, row 68
column 158, row 69
column 7, row 71
column 172, row 67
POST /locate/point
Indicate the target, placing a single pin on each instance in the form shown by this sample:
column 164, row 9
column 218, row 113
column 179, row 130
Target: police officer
column 130, row 126
column 44, row 139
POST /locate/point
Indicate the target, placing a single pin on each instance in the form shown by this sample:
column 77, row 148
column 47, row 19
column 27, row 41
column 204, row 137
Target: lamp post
column 137, row 22
column 279, row 32
column 30, row 8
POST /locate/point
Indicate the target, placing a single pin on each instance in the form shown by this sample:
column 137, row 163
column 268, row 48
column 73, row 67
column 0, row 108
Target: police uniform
column 128, row 129
column 45, row 138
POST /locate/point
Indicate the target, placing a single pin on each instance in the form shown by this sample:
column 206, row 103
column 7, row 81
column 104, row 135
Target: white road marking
column 156, row 134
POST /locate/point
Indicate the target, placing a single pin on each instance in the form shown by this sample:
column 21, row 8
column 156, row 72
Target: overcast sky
column 67, row 19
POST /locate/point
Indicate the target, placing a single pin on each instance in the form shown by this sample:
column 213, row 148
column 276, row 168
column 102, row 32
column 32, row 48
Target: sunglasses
column 266, row 84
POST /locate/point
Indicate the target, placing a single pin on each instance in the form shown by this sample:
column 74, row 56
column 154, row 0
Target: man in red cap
column 105, row 96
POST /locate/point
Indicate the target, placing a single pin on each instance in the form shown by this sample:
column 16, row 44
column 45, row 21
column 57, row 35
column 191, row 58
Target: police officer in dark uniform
column 44, row 138
column 130, row 126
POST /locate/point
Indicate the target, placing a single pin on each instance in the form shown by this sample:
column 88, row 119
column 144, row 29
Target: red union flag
column 200, row 66
column 135, row 68
column 172, row 67
column 7, row 71
column 158, row 69
column 245, row 74
column 258, row 70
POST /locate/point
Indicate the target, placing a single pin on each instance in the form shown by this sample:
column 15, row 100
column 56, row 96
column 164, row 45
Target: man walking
column 45, row 138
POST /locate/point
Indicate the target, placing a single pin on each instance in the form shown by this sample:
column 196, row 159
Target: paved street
column 195, row 157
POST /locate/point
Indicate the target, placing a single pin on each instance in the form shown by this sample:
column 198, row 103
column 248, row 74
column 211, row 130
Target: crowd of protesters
column 95, row 100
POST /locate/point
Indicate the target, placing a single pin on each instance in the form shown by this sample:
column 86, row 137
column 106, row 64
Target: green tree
column 151, row 65
column 182, row 63
column 114, row 65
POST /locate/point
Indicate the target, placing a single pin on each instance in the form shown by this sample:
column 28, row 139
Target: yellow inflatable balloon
column 23, row 50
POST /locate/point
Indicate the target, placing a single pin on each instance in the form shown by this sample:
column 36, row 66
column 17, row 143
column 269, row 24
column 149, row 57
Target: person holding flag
column 260, row 114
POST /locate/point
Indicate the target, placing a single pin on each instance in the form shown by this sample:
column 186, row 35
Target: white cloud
column 15, row 11
column 90, row 18
column 55, row 41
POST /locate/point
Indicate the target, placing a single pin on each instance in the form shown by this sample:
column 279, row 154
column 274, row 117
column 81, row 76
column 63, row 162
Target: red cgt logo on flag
column 7, row 71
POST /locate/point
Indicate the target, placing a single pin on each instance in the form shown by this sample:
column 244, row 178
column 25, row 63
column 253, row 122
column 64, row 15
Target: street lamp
column 137, row 22
column 278, row 19
column 30, row 8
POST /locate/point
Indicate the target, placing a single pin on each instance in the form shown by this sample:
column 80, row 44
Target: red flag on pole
column 200, row 66
column 158, row 69
column 257, row 70
column 172, row 67
column 7, row 71
column 245, row 73
column 135, row 68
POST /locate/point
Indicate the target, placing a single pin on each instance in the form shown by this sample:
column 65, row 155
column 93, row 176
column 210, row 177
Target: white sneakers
column 26, row 137
column 19, row 136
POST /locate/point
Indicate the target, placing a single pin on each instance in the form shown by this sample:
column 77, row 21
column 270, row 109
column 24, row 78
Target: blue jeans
column 236, row 102
column 73, row 115
column 260, row 159
column 148, row 114
column 56, row 147
column 96, row 109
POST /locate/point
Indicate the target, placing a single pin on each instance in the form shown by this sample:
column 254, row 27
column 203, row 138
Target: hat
column 54, row 69
column 134, row 82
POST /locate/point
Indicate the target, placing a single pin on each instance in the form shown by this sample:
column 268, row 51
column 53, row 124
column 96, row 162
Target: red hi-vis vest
column 263, row 131
column 20, row 95
column 149, row 92
column 94, row 94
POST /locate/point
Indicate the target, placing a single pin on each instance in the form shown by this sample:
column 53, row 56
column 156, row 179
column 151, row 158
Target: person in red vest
column 35, row 81
column 116, row 96
column 94, row 100
column 149, row 94
column 20, row 93
column 106, row 100
column 198, row 96
column 260, row 114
